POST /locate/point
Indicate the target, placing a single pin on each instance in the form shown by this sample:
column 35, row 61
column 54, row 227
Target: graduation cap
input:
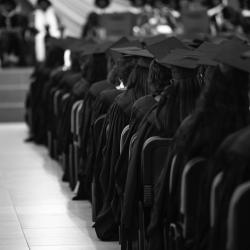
column 161, row 49
column 95, row 49
column 235, row 53
column 181, row 58
column 134, row 51
column 153, row 39
column 122, row 44
column 145, row 57
column 207, row 52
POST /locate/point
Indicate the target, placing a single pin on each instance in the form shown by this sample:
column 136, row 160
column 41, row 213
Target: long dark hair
column 158, row 77
column 223, row 108
column 95, row 68
column 125, row 66
column 178, row 99
column 138, row 81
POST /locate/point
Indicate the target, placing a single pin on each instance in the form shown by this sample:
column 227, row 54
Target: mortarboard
column 121, row 44
column 181, row 58
column 235, row 54
column 133, row 51
column 161, row 49
column 148, row 41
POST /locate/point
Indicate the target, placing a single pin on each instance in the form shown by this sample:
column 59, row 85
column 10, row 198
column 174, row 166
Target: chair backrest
column 98, row 126
column 78, row 117
column 190, row 186
column 239, row 219
column 172, row 173
column 154, row 153
column 55, row 101
column 123, row 137
column 214, row 197
column 131, row 144
column 73, row 116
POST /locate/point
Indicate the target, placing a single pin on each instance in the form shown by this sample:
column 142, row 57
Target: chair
column 239, row 219
column 190, row 185
column 123, row 137
column 65, row 158
column 97, row 128
column 52, row 146
column 77, row 140
column 214, row 197
column 72, row 161
column 127, row 245
column 153, row 157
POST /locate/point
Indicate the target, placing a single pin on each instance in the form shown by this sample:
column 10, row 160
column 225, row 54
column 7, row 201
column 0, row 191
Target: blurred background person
column 46, row 24
column 13, row 25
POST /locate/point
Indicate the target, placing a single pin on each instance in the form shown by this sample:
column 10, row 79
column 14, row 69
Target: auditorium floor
column 36, row 211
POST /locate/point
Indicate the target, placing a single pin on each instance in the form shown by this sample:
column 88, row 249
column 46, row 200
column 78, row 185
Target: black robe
column 233, row 160
column 87, row 119
column 92, row 149
column 117, row 118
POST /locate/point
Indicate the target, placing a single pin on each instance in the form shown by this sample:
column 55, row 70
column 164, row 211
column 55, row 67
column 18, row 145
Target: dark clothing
column 233, row 159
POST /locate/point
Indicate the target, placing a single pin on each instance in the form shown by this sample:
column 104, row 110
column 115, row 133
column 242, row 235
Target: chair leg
column 76, row 162
column 141, row 230
column 49, row 136
column 93, row 190
column 71, row 166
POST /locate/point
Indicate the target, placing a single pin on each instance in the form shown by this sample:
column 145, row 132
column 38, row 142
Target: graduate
column 97, row 102
column 236, row 65
column 177, row 101
column 40, row 77
column 221, row 110
column 159, row 77
column 117, row 118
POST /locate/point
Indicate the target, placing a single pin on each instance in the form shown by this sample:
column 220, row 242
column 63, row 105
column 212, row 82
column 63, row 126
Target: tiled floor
column 36, row 211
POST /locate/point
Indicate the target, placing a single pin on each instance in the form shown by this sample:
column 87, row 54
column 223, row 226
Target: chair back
column 123, row 137
column 154, row 153
column 190, row 185
column 214, row 197
column 239, row 219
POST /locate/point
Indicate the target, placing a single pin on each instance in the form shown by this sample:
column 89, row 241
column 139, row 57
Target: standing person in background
column 13, row 26
column 92, row 29
column 45, row 21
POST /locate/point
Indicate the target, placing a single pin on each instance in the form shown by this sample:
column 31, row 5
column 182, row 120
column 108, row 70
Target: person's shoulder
column 141, row 102
column 100, row 86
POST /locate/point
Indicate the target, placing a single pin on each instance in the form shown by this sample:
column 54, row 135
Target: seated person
column 13, row 25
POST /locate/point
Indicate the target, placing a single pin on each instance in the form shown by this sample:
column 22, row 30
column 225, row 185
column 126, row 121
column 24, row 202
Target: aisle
column 36, row 211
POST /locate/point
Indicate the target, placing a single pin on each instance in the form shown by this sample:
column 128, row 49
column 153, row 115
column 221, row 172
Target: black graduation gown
column 193, row 139
column 150, row 126
column 117, row 119
column 86, row 133
column 101, row 103
column 87, row 112
column 233, row 159
column 140, row 109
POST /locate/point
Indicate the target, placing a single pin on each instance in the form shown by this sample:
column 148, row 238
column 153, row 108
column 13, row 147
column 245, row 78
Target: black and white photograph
column 124, row 124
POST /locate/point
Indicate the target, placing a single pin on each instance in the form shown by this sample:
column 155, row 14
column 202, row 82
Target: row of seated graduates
column 166, row 82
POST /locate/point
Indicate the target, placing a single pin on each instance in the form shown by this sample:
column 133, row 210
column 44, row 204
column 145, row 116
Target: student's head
column 8, row 5
column 93, row 67
column 158, row 78
column 125, row 65
column 43, row 4
column 138, row 80
column 178, row 99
